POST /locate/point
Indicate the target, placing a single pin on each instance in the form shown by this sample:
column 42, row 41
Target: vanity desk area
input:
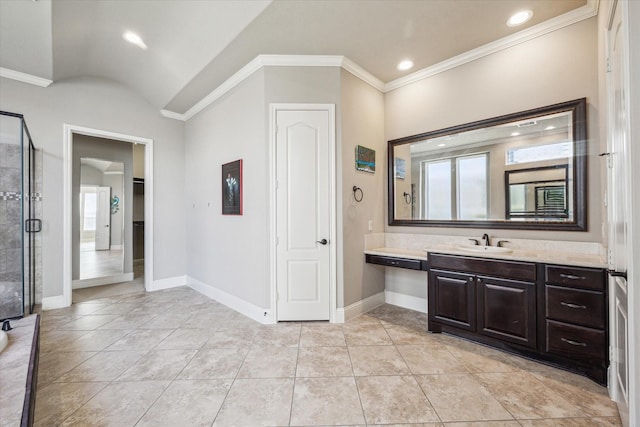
column 551, row 307
column 542, row 299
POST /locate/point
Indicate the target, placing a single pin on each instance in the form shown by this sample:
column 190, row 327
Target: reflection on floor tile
column 103, row 365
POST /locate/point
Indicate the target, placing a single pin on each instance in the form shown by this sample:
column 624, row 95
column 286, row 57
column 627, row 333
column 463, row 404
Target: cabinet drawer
column 515, row 270
column 585, row 308
column 576, row 342
column 588, row 278
column 413, row 264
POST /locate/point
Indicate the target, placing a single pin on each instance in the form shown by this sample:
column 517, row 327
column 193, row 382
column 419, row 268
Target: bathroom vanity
column 546, row 311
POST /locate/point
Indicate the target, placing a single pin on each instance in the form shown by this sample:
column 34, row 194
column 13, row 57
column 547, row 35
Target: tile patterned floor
column 177, row 358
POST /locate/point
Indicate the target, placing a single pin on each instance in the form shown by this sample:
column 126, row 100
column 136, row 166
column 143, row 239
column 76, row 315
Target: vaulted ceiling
column 193, row 46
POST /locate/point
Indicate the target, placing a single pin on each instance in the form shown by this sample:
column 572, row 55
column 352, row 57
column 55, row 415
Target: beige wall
column 362, row 121
column 557, row 67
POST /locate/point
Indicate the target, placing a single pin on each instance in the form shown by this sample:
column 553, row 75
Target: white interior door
column 303, row 209
column 103, row 218
column 618, row 188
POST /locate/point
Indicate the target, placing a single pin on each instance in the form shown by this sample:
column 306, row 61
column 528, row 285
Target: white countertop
column 563, row 258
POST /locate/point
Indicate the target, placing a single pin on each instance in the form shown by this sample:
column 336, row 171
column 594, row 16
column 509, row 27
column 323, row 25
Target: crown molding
column 24, row 77
column 584, row 12
column 173, row 115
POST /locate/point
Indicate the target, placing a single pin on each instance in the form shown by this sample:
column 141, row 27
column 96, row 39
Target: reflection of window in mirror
column 455, row 188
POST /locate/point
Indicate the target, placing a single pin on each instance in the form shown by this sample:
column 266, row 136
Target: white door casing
column 304, row 213
column 103, row 219
column 618, row 188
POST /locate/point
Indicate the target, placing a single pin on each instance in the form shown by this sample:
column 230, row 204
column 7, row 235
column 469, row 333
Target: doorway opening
column 108, row 202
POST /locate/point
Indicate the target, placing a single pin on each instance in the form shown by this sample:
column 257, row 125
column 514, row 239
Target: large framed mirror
column 525, row 170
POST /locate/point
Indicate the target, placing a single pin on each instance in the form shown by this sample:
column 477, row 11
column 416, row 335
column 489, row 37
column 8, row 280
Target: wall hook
column 357, row 190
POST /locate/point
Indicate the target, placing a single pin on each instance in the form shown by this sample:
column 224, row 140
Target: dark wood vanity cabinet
column 475, row 295
column 556, row 314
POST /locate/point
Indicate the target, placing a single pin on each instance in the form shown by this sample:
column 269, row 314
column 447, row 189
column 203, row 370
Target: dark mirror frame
column 577, row 107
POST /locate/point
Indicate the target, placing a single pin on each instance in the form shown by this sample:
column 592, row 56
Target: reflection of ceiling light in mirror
column 441, row 145
column 519, row 18
column 405, row 65
column 515, row 134
column 133, row 38
column 549, row 128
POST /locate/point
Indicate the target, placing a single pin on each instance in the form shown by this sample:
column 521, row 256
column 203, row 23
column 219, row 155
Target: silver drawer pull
column 571, row 305
column 572, row 277
column 394, row 262
column 576, row 343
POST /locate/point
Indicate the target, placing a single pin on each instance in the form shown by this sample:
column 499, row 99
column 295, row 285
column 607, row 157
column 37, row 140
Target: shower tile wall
column 10, row 230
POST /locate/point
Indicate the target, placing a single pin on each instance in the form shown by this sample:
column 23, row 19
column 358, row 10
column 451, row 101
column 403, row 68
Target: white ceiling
column 195, row 45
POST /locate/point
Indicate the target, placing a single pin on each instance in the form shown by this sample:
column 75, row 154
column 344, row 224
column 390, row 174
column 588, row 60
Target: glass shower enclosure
column 20, row 208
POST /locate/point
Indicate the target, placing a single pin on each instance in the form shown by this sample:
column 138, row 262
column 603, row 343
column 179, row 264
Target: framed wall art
column 232, row 188
column 365, row 159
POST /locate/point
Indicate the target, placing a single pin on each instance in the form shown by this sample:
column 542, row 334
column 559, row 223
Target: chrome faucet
column 485, row 238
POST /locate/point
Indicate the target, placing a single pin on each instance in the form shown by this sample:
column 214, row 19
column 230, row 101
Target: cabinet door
column 506, row 310
column 452, row 299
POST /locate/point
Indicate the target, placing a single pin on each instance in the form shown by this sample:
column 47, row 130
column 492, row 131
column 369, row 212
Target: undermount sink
column 485, row 249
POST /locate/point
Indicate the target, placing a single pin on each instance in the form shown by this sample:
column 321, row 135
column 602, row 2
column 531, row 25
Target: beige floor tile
column 324, row 362
column 104, row 366
column 185, row 339
column 192, row 403
column 53, row 365
column 168, row 320
column 257, row 402
column 278, row 335
column 96, row 340
column 573, row 422
column 269, row 362
column 140, row 339
column 128, row 321
column 484, row 424
column 401, row 335
column 56, row 402
column 89, row 322
column 366, row 335
column 58, row 340
column 590, row 398
column 377, row 360
column 329, row 401
column 232, row 338
column 460, row 397
column 525, row 397
column 394, row 399
column 322, row 336
column 158, row 365
column 118, row 404
column 214, row 363
column 120, row 308
column 478, row 358
column 430, row 359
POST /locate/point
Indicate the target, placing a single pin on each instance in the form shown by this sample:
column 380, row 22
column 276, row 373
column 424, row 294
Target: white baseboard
column 259, row 314
column 52, row 303
column 169, row 282
column 99, row 281
column 406, row 301
column 357, row 308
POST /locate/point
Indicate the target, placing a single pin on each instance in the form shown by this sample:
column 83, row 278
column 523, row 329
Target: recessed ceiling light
column 405, row 65
column 549, row 128
column 515, row 134
column 133, row 38
column 519, row 18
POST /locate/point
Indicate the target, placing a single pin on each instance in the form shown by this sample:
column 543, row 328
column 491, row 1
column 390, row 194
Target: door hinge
column 609, row 257
column 608, row 64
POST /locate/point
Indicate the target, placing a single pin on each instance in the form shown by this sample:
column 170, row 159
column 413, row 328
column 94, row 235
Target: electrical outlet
column 370, row 225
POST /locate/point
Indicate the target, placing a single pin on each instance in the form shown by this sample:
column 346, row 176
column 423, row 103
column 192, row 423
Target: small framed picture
column 365, row 159
column 232, row 188
column 400, row 168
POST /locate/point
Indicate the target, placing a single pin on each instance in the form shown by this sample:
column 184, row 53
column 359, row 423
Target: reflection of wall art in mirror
column 365, row 159
column 401, row 168
column 232, row 188
column 115, row 205
column 525, row 170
